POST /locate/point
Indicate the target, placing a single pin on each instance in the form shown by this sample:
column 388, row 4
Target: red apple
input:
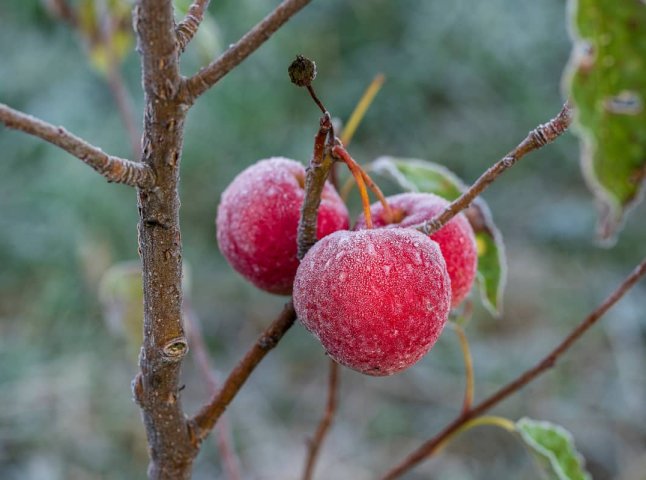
column 376, row 299
column 258, row 217
column 456, row 238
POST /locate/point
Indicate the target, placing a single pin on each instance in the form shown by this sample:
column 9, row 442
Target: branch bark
column 547, row 362
column 249, row 43
column 207, row 417
column 537, row 138
column 316, row 175
column 188, row 27
column 114, row 169
column 170, row 439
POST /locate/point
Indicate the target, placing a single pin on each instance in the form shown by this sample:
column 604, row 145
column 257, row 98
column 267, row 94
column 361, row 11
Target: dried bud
column 302, row 71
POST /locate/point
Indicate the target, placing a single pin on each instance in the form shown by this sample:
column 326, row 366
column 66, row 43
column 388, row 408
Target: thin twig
column 114, row 169
column 547, row 362
column 537, row 138
column 188, row 27
column 206, row 418
column 249, row 43
column 316, row 442
column 223, row 438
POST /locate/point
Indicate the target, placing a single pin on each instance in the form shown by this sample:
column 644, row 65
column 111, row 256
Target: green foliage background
column 466, row 80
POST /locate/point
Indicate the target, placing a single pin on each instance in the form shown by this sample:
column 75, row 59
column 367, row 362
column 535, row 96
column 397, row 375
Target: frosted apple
column 257, row 222
column 376, row 299
column 456, row 239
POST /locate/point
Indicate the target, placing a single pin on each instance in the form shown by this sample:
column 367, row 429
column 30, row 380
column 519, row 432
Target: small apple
column 456, row 239
column 376, row 299
column 257, row 222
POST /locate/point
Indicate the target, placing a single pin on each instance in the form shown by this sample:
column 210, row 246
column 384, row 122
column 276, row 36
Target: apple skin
column 257, row 222
column 376, row 299
column 456, row 238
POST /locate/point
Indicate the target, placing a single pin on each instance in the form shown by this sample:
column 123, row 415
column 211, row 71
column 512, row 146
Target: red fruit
column 376, row 299
column 456, row 238
column 258, row 218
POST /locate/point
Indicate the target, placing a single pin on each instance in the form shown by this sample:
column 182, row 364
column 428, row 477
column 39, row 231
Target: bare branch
column 316, row 174
column 537, row 138
column 254, row 38
column 187, row 28
column 170, row 439
column 316, row 442
column 114, row 169
column 207, row 417
column 547, row 362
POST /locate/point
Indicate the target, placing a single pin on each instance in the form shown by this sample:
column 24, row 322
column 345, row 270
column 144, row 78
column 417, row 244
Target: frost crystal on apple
column 456, row 238
column 258, row 217
column 376, row 299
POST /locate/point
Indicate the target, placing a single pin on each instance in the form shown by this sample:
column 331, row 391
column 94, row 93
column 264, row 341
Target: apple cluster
column 377, row 299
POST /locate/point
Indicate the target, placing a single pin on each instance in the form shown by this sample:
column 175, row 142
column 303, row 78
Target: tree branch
column 188, row 27
column 249, row 43
column 204, row 421
column 547, row 362
column 315, row 177
column 537, row 138
column 114, row 169
column 316, row 442
column 170, row 439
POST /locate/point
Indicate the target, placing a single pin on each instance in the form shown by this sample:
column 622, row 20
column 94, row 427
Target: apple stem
column 316, row 99
column 363, row 179
column 388, row 212
column 338, row 151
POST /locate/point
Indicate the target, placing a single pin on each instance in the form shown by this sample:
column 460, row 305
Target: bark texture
column 157, row 387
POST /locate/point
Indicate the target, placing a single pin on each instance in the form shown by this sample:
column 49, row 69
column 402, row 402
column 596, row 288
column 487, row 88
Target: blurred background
column 465, row 81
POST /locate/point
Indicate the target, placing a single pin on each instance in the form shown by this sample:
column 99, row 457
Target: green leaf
column 606, row 80
column 553, row 448
column 492, row 262
column 421, row 176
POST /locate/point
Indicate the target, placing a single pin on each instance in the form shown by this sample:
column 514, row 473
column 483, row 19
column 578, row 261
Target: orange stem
column 358, row 174
column 388, row 213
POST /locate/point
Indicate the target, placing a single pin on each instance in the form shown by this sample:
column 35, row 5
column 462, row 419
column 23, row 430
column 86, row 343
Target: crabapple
column 257, row 221
column 456, row 238
column 376, row 299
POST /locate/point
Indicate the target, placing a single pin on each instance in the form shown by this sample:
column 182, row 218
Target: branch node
column 175, row 350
